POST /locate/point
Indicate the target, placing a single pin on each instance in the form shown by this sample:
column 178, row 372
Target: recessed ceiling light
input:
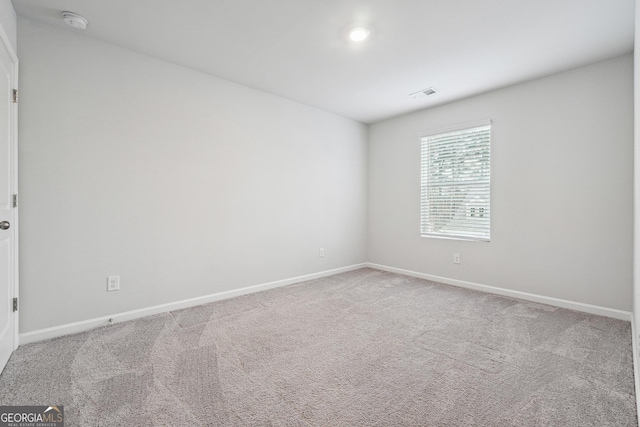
column 74, row 20
column 358, row 34
column 424, row 92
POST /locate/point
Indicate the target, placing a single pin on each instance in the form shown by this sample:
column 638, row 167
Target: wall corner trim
column 84, row 325
column 636, row 375
column 556, row 302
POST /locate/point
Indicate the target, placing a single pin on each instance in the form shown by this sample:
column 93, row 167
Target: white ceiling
column 298, row 49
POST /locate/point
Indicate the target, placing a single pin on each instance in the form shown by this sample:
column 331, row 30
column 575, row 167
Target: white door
column 8, row 215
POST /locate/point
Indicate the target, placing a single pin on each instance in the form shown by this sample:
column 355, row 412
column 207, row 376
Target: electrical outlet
column 113, row 283
column 456, row 258
column 321, row 253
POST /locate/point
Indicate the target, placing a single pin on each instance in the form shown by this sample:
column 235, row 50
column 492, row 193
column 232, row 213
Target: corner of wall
column 9, row 25
column 636, row 203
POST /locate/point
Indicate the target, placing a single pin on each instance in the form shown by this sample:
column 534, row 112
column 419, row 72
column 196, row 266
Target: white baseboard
column 578, row 306
column 84, row 325
column 71, row 328
column 636, row 376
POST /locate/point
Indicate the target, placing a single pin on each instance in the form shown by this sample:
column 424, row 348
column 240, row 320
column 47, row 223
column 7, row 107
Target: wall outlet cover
column 113, row 283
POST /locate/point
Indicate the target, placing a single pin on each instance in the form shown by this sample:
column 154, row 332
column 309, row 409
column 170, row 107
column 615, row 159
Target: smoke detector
column 74, row 20
column 424, row 92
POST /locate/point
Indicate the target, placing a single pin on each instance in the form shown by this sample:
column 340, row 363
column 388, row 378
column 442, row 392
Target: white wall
column 181, row 183
column 8, row 22
column 562, row 195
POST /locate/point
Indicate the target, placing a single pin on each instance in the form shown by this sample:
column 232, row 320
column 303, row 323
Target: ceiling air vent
column 424, row 92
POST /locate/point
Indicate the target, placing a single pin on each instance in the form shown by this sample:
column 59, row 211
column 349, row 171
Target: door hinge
column 15, row 304
column 15, row 200
column 15, row 96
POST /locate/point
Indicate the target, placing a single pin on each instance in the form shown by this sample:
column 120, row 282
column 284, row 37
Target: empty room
column 319, row 213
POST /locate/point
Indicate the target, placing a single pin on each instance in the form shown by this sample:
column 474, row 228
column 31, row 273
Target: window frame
column 422, row 136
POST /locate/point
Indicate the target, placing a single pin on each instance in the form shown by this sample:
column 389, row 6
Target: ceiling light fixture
column 74, row 20
column 359, row 34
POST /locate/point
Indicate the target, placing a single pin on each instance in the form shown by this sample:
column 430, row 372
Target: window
column 455, row 183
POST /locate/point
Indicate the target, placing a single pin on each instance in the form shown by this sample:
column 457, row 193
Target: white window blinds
column 455, row 183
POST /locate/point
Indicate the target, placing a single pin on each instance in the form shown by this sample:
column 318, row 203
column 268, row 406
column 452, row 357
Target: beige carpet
column 364, row 348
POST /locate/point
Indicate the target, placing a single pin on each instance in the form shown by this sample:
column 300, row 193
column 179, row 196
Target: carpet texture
column 364, row 348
